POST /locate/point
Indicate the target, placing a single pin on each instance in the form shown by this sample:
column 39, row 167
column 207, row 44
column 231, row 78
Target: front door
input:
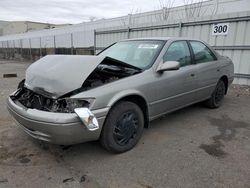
column 175, row 88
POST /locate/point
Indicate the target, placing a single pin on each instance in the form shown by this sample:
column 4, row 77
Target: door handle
column 218, row 70
column 192, row 74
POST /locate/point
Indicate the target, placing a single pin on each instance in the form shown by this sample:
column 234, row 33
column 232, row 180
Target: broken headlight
column 70, row 104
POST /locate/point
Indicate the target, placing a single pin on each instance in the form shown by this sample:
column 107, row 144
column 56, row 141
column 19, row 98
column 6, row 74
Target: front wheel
column 217, row 96
column 123, row 127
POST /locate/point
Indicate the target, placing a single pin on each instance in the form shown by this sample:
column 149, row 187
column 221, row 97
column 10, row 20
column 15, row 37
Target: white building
column 16, row 27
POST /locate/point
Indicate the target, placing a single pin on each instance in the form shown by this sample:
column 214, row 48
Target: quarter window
column 178, row 51
column 202, row 53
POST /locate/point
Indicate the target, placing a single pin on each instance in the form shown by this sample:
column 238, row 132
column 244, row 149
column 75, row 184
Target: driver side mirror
column 168, row 66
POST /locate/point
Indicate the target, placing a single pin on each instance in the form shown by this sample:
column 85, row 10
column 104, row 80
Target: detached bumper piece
column 88, row 118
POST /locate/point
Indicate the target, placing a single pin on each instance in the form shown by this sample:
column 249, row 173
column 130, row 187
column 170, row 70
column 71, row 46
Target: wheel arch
column 138, row 100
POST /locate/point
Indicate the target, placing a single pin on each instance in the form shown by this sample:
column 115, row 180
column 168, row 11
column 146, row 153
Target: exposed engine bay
column 108, row 71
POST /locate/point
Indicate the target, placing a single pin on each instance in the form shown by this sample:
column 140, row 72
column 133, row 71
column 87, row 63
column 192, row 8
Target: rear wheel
column 123, row 127
column 217, row 96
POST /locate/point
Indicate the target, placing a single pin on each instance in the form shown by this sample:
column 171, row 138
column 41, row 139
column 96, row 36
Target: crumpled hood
column 56, row 75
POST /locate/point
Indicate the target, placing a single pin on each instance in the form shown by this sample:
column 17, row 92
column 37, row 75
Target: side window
column 178, row 51
column 202, row 53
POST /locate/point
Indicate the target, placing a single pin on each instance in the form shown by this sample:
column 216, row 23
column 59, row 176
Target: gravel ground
column 193, row 147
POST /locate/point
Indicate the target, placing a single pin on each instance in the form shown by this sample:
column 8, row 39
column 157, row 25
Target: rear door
column 207, row 68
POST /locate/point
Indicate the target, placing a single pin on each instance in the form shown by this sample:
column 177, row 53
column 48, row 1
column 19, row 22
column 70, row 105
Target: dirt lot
column 193, row 147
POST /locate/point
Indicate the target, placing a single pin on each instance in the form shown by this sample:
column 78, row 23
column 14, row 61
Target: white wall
column 84, row 33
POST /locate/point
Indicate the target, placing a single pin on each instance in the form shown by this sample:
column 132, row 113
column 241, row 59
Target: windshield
column 140, row 53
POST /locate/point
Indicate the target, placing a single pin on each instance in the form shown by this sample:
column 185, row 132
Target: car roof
column 162, row 38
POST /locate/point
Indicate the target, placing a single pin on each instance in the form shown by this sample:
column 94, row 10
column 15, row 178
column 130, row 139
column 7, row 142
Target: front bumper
column 57, row 128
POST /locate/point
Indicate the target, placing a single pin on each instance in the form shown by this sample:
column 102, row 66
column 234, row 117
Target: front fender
column 122, row 94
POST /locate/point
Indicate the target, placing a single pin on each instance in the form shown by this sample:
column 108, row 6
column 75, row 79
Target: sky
column 75, row 11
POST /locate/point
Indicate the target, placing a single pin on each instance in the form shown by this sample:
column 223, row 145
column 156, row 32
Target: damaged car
column 112, row 97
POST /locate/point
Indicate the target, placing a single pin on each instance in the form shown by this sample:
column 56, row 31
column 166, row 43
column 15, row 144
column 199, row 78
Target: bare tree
column 132, row 16
column 124, row 21
column 130, row 19
column 196, row 8
column 216, row 6
column 92, row 18
column 165, row 6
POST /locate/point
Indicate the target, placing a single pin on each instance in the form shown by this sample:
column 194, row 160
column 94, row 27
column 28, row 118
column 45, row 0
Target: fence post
column 128, row 33
column 72, row 43
column 94, row 42
column 180, row 28
column 8, row 50
column 129, row 19
column 30, row 49
column 14, row 49
column 1, row 49
column 129, row 23
column 5, row 50
column 21, row 48
column 54, row 37
column 40, row 45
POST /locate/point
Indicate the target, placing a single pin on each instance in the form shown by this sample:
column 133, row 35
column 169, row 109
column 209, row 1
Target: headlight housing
column 81, row 108
column 33, row 100
column 68, row 105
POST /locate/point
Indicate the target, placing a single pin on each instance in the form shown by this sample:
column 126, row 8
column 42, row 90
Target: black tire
column 123, row 127
column 217, row 96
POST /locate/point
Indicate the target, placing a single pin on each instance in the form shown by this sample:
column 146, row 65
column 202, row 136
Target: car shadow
column 94, row 149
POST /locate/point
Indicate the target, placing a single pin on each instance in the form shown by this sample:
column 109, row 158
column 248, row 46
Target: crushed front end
column 45, row 107
column 60, row 121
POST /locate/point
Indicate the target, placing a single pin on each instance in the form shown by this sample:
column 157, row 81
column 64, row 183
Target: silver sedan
column 111, row 97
